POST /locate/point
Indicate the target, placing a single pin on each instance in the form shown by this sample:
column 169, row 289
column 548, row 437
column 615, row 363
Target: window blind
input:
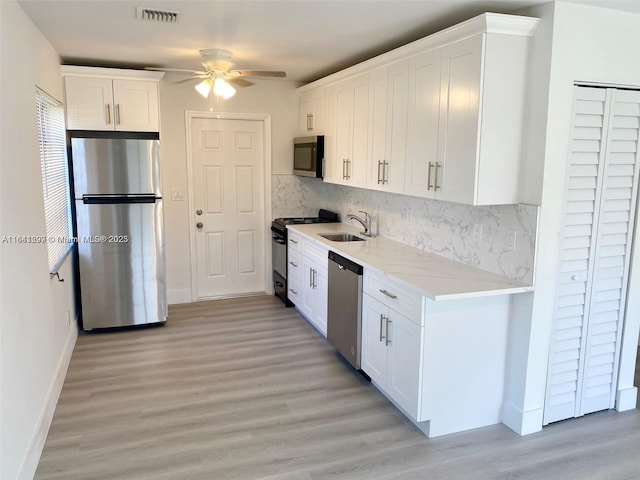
column 55, row 178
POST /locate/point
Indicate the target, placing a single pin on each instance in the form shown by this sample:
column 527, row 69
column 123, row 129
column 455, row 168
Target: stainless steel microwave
column 308, row 156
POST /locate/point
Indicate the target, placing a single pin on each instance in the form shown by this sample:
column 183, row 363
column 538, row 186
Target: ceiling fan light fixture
column 223, row 89
column 204, row 87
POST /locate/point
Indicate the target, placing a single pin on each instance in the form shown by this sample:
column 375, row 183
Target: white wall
column 276, row 98
column 36, row 335
column 587, row 44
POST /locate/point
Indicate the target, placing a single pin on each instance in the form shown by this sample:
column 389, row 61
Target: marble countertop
column 436, row 277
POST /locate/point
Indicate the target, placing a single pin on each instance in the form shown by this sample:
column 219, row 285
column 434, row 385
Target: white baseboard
column 521, row 422
column 30, row 464
column 626, row 399
column 179, row 296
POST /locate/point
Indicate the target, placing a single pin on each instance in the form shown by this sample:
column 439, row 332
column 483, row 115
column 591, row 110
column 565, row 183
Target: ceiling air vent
column 157, row 15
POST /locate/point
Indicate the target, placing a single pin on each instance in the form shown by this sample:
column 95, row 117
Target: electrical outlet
column 511, row 241
column 407, row 216
column 477, row 232
column 351, row 204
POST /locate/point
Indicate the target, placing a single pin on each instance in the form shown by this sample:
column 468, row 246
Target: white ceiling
column 306, row 38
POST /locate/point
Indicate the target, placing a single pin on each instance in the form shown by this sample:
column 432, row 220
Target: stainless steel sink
column 341, row 237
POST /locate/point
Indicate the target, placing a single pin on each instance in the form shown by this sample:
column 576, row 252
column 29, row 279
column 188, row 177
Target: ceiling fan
column 218, row 74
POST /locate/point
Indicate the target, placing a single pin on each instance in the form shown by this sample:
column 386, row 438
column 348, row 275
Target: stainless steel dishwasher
column 344, row 315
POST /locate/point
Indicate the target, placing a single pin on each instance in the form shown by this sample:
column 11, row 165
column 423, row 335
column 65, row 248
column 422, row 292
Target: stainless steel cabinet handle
column 348, row 169
column 309, row 122
column 436, row 187
column 107, row 111
column 379, row 165
column 344, row 166
column 199, row 225
column 311, row 278
column 293, row 264
column 293, row 291
column 315, row 279
column 381, row 322
column 293, row 240
column 117, row 114
column 389, row 294
column 387, row 340
column 385, row 172
column 429, row 186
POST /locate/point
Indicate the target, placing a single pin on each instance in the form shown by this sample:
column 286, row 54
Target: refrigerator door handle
column 108, row 199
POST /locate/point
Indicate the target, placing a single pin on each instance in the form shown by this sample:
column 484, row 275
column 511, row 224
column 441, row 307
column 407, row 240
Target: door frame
column 265, row 119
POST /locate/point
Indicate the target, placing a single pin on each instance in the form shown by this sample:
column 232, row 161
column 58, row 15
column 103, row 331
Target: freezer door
column 115, row 166
column 121, row 263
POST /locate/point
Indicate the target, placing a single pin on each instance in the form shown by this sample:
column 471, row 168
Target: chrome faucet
column 366, row 223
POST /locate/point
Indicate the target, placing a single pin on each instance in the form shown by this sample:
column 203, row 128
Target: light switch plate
column 177, row 194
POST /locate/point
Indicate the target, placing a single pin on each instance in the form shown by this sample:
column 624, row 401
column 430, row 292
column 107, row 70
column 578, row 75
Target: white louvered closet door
column 599, row 210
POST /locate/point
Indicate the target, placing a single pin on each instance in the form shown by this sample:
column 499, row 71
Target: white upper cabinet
column 347, row 138
column 312, row 108
column 389, row 93
column 111, row 99
column 466, row 115
column 423, row 138
column 445, row 114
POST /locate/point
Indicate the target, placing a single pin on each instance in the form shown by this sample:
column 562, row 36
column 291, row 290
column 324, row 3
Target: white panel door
column 595, row 252
column 613, row 252
column 228, row 193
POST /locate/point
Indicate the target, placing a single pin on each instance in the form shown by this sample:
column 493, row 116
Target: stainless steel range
column 279, row 247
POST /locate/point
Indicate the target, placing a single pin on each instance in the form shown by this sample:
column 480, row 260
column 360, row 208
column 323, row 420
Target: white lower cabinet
column 391, row 352
column 307, row 280
column 442, row 363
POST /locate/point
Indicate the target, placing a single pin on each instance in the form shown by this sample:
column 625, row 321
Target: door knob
column 199, row 225
column 198, row 212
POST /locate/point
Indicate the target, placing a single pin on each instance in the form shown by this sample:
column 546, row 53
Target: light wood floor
column 246, row 389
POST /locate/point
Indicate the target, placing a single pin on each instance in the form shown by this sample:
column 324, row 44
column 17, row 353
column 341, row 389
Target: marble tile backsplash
column 498, row 239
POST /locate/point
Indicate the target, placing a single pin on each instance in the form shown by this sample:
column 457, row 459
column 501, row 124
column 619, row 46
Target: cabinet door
column 305, row 108
column 307, row 295
column 377, row 129
column 373, row 346
column 404, row 359
column 136, row 105
column 424, row 130
column 89, row 103
column 343, row 133
column 321, row 289
column 388, row 127
column 360, row 133
column 462, row 65
column 351, row 127
column 396, row 126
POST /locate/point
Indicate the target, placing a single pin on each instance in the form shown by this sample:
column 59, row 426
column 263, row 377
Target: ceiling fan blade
column 176, row 70
column 257, row 73
column 195, row 77
column 239, row 82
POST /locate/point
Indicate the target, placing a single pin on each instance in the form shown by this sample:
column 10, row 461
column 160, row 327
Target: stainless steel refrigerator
column 119, row 228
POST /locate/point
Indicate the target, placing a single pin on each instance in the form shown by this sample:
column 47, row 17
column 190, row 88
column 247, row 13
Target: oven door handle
column 279, row 240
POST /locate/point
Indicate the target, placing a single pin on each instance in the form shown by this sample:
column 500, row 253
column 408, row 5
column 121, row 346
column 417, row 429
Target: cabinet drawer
column 317, row 252
column 294, row 264
column 295, row 240
column 395, row 296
